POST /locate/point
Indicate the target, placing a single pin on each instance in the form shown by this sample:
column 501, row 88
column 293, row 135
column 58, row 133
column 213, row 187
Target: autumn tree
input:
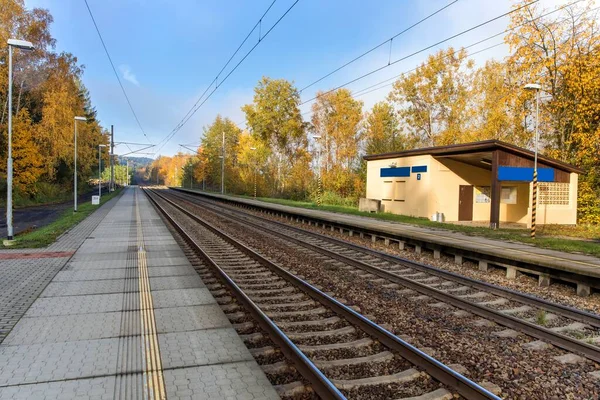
column 433, row 100
column 274, row 117
column 212, row 145
column 47, row 94
column 382, row 130
column 27, row 161
column 562, row 53
column 337, row 118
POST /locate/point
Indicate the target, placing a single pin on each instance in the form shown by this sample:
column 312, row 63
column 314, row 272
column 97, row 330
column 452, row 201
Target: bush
column 334, row 199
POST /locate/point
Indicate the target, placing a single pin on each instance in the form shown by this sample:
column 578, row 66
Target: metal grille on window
column 554, row 193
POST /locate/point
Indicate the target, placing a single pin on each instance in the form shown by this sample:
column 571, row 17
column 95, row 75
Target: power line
column 215, row 80
column 374, row 87
column 390, row 40
column 195, row 108
column 114, row 70
column 422, row 50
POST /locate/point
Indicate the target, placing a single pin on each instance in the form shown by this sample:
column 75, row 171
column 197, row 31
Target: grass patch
column 542, row 317
column 47, row 235
column 574, row 239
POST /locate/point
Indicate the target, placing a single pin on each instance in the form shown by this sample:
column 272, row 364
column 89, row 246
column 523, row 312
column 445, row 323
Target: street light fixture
column 319, row 183
column 537, row 87
column 100, row 146
column 23, row 45
column 75, row 162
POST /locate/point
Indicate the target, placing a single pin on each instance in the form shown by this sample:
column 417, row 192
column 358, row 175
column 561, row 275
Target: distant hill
column 136, row 162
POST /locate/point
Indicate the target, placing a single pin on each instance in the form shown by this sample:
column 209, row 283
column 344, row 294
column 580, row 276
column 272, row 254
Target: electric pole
column 112, row 159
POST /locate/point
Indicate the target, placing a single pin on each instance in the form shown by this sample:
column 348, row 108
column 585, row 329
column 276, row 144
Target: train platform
column 515, row 256
column 115, row 310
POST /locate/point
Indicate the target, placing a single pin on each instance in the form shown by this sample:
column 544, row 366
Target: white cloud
column 128, row 75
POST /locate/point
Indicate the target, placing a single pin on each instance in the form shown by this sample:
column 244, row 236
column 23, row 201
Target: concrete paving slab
column 91, row 265
column 57, row 361
column 65, row 328
column 94, row 275
column 176, row 282
column 95, row 388
column 171, row 271
column 190, row 318
column 164, row 262
column 77, row 288
column 99, row 257
column 182, row 297
column 210, row 346
column 240, row 380
column 49, row 306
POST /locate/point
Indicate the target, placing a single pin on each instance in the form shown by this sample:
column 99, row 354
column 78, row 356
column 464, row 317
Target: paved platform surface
column 126, row 316
column 577, row 263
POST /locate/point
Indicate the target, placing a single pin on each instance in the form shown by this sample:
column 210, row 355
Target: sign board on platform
column 95, row 200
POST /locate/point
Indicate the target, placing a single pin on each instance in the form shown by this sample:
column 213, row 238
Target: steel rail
column 464, row 386
column 566, row 311
column 321, row 385
column 558, row 339
column 536, row 267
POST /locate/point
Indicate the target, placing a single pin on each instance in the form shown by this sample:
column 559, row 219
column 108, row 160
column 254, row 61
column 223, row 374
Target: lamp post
column 223, row 166
column 23, row 45
column 100, row 146
column 537, row 87
column 75, row 162
column 255, row 171
column 319, row 183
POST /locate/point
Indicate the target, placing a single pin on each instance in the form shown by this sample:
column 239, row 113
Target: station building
column 480, row 181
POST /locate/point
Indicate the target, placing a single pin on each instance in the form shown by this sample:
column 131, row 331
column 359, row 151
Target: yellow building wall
column 554, row 213
column 416, row 192
column 438, row 191
column 447, row 176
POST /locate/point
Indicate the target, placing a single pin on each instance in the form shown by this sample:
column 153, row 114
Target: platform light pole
column 100, row 146
column 319, row 183
column 223, row 166
column 75, row 163
column 255, row 170
column 537, row 87
column 23, row 45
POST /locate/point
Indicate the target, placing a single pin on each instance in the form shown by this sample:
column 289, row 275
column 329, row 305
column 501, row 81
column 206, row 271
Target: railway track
column 565, row 327
column 341, row 353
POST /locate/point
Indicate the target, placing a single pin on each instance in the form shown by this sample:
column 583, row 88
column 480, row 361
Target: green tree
column 212, row 145
column 274, row 117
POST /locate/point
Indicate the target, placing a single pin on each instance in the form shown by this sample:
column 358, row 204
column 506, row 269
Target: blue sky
column 167, row 55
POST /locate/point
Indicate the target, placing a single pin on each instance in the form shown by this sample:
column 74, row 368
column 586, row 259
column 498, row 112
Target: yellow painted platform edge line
column 153, row 373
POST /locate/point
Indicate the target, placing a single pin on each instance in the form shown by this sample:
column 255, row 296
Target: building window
column 508, row 195
column 400, row 191
column 553, row 193
column 483, row 194
column 388, row 190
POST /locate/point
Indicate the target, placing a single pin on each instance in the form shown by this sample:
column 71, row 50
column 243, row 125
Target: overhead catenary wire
column 390, row 41
column 367, row 89
column 115, row 70
column 195, row 108
column 423, row 50
column 216, row 79
column 385, row 83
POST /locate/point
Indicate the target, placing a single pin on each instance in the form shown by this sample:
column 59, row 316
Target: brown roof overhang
column 476, row 147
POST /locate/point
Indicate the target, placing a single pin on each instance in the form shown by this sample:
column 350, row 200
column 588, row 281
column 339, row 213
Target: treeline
column 447, row 99
column 47, row 94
